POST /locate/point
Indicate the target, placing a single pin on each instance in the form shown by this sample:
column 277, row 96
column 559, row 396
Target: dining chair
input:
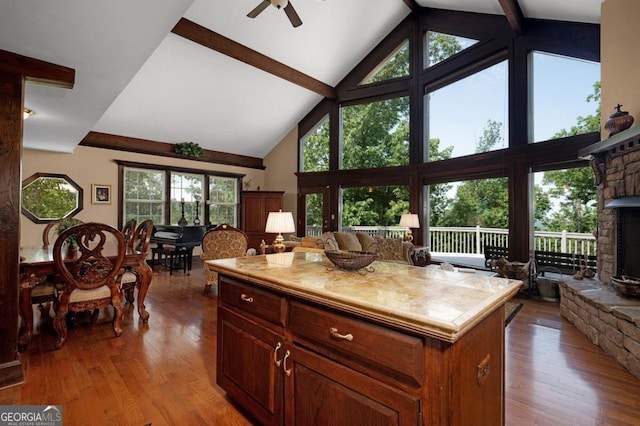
column 46, row 291
column 139, row 241
column 128, row 230
column 91, row 278
column 223, row 241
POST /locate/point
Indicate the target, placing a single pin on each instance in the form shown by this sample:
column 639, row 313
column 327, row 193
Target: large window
column 470, row 115
column 466, row 110
column 223, row 200
column 186, row 189
column 376, row 134
column 315, row 148
column 197, row 197
column 144, row 195
column 565, row 102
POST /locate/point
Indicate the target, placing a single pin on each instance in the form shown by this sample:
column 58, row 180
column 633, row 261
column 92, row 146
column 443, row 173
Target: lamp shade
column 410, row 220
column 278, row 222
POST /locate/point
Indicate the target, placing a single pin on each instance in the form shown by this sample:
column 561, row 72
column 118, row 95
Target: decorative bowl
column 351, row 260
column 626, row 286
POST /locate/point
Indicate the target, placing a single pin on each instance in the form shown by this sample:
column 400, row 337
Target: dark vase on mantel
column 618, row 121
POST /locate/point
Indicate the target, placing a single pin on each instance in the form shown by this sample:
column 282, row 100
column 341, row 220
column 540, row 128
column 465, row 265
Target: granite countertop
column 424, row 300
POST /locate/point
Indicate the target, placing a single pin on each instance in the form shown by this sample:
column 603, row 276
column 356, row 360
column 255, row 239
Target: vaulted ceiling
column 201, row 70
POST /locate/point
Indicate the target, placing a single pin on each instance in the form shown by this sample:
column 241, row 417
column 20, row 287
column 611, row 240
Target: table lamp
column 409, row 220
column 279, row 222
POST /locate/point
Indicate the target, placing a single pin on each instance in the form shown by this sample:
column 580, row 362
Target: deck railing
column 471, row 240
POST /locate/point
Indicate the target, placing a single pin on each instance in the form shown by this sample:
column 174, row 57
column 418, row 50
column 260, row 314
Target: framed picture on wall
column 101, row 194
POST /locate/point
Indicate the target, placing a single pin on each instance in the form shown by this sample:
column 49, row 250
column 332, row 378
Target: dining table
column 37, row 265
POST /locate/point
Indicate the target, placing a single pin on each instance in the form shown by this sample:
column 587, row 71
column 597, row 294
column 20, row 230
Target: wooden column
column 11, row 107
column 14, row 71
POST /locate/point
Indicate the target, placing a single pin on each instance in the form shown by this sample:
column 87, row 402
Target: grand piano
column 179, row 237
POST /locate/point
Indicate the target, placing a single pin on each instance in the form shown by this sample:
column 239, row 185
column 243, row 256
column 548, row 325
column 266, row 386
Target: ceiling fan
column 279, row 4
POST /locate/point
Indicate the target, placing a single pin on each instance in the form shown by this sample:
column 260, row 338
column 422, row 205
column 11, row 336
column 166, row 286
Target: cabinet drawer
column 261, row 303
column 358, row 342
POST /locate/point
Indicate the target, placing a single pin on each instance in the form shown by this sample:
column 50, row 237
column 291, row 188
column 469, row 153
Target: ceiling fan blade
column 292, row 15
column 262, row 6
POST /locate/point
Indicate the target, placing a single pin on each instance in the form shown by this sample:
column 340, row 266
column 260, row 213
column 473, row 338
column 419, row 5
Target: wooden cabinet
column 289, row 361
column 255, row 207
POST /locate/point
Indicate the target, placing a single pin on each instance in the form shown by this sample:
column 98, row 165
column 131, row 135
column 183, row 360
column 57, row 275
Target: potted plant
column 189, row 149
column 63, row 225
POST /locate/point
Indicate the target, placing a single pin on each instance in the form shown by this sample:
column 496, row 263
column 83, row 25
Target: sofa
column 392, row 250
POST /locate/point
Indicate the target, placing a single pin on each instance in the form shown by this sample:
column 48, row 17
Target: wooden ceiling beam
column 205, row 37
column 163, row 149
column 412, row 5
column 514, row 14
column 36, row 70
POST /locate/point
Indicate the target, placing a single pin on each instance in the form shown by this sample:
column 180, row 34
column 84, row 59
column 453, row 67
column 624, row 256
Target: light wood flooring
column 163, row 372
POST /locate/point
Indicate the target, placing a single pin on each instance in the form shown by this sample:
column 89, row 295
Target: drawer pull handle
column 284, row 363
column 275, row 355
column 334, row 333
column 246, row 298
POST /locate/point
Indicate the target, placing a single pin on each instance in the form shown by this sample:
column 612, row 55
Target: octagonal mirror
column 47, row 197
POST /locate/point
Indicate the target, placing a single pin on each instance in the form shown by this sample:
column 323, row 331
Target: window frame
column 167, row 170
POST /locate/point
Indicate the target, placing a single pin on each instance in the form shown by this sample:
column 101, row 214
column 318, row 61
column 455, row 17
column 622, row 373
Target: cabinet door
column 253, row 216
column 320, row 392
column 246, row 366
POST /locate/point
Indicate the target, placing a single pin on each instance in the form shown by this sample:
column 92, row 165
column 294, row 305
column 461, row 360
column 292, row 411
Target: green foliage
column 374, row 206
column 49, row 198
column 396, row 66
column 315, row 149
column 481, row 202
column 441, row 46
column 573, row 189
column 590, row 123
column 189, row 149
column 376, row 134
column 65, row 224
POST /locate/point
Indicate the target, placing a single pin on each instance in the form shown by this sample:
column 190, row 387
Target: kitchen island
column 302, row 342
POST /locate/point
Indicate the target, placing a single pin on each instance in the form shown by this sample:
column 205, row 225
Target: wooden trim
column 513, row 13
column 207, row 38
column 163, row 149
column 412, row 5
column 37, row 71
column 11, row 374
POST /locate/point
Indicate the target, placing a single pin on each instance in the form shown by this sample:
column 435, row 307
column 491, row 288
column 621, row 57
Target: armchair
column 222, row 242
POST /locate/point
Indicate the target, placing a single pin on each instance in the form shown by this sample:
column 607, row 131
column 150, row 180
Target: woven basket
column 350, row 260
column 626, row 286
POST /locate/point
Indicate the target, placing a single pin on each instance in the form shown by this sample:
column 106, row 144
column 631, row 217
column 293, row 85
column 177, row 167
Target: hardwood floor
column 163, row 372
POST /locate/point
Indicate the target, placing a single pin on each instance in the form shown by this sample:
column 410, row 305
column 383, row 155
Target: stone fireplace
column 616, row 165
column 606, row 318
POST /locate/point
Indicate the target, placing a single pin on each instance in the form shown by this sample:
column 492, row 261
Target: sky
column 460, row 111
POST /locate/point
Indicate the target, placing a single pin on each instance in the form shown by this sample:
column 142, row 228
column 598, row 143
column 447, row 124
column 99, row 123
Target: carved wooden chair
column 223, row 241
column 139, row 241
column 92, row 277
column 128, row 230
column 46, row 291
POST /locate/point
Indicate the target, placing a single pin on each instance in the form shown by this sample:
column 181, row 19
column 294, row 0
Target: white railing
column 471, row 240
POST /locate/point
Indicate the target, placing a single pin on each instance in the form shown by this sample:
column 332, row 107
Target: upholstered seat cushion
column 78, row 295
column 129, row 277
